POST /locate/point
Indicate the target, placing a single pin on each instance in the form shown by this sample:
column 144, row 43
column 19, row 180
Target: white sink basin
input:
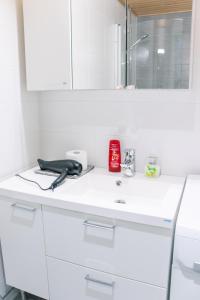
column 108, row 187
column 136, row 194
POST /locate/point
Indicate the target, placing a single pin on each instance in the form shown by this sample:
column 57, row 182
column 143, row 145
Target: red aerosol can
column 114, row 156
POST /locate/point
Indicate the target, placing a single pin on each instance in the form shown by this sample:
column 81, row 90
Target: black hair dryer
column 63, row 167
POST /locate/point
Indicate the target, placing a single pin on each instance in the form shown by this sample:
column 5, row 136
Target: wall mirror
column 158, row 44
column 99, row 44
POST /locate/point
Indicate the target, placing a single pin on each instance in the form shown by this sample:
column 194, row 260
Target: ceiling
column 157, row 7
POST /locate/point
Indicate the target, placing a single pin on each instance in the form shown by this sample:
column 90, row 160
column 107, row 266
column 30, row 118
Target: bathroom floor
column 28, row 297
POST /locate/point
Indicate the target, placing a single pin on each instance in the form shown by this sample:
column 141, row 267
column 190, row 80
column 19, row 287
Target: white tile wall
column 18, row 110
column 169, row 129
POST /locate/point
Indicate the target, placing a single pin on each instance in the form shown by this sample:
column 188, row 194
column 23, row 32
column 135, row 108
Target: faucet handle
column 129, row 152
column 129, row 155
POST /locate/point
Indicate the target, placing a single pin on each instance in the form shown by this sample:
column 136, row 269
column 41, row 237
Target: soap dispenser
column 152, row 168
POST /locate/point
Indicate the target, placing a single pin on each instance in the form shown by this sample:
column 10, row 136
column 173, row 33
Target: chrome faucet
column 129, row 166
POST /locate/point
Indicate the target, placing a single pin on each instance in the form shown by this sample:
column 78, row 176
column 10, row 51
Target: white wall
column 19, row 133
column 165, row 123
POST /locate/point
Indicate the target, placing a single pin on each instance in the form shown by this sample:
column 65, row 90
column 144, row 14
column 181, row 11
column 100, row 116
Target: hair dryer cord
column 54, row 185
column 43, row 189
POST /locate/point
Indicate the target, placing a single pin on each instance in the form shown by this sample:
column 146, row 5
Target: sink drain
column 120, row 201
column 118, row 182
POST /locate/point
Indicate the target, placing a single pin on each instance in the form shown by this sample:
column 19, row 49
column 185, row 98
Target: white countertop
column 188, row 223
column 154, row 201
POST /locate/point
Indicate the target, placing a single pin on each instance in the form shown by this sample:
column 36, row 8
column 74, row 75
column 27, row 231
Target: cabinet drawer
column 125, row 249
column 71, row 282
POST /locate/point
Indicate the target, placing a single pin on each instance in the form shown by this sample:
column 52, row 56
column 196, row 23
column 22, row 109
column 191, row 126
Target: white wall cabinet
column 73, row 44
column 23, row 247
column 47, row 27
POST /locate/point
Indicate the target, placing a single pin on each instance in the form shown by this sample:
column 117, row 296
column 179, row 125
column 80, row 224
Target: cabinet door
column 98, row 42
column 47, row 27
column 71, row 282
column 23, row 247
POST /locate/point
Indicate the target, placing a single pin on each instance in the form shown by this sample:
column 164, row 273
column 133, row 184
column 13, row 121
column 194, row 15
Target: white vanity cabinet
column 68, row 246
column 85, row 256
column 47, row 28
column 22, row 240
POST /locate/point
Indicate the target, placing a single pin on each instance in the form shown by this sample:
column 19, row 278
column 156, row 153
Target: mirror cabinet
column 107, row 44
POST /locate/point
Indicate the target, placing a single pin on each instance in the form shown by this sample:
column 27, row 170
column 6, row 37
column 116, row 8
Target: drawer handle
column 88, row 278
column 106, row 227
column 30, row 209
column 196, row 267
